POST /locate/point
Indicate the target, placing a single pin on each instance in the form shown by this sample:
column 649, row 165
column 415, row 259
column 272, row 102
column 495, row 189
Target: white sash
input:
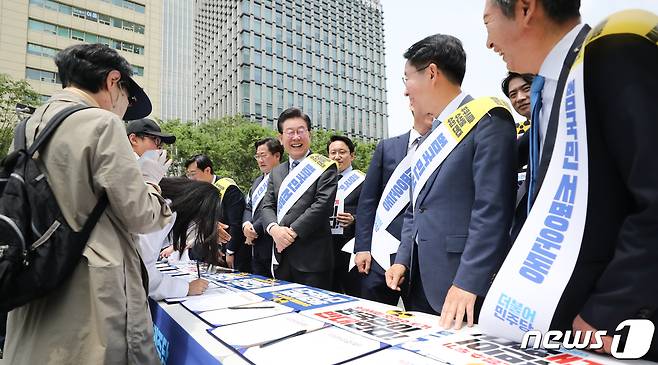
column 295, row 185
column 346, row 186
column 393, row 201
column 259, row 193
column 531, row 281
column 298, row 181
column 436, row 148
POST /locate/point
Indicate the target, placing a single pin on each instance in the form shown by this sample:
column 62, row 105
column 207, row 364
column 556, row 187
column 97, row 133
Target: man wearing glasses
column 269, row 153
column 145, row 135
column 296, row 209
column 238, row 255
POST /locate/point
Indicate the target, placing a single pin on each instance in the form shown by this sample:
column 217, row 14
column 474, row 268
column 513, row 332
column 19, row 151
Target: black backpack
column 38, row 249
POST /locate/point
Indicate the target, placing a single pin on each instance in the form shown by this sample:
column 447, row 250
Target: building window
column 42, row 75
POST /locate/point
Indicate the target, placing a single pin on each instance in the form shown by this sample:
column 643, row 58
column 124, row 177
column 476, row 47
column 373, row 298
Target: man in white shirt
column 614, row 275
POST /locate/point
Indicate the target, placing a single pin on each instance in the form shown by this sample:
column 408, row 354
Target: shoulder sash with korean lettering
column 299, row 180
column 223, row 184
column 259, row 193
column 443, row 140
column 349, row 182
column 537, row 269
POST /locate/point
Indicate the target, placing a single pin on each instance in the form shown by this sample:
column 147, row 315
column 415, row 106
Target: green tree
column 12, row 92
column 229, row 142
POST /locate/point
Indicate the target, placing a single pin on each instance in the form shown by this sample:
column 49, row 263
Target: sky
column 408, row 21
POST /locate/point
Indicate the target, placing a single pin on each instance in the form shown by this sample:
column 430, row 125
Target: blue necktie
column 294, row 164
column 535, row 104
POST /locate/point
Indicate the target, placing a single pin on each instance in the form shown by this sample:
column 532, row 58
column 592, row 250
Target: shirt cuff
column 229, row 252
column 269, row 227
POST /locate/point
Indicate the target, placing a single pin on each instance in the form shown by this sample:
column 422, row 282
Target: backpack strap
column 43, row 136
column 95, row 215
column 20, row 140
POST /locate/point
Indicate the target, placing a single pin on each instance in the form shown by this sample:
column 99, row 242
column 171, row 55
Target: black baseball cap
column 147, row 126
column 140, row 104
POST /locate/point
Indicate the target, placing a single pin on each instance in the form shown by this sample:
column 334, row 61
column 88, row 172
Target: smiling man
column 297, row 206
column 269, row 153
column 341, row 149
column 456, row 229
column 609, row 94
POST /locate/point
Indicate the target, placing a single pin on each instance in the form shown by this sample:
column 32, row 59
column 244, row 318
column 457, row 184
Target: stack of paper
column 253, row 333
column 231, row 315
column 327, row 346
column 377, row 321
column 303, row 298
column 222, row 300
column 394, row 356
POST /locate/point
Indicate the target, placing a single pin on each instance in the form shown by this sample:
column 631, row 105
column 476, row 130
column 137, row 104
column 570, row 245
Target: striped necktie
column 533, row 161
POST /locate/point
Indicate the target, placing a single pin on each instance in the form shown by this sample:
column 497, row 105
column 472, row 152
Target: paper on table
column 221, row 300
column 215, row 290
column 381, row 322
column 394, row 356
column 247, row 334
column 326, row 346
column 222, row 317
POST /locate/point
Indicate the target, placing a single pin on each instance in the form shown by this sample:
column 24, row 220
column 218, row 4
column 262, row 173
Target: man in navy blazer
column 269, row 152
column 387, row 156
column 614, row 276
column 456, row 235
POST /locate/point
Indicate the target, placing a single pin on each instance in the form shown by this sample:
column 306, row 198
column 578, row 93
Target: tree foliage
column 12, row 92
column 229, row 142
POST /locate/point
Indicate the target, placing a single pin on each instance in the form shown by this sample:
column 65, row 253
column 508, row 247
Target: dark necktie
column 294, row 164
column 414, row 144
column 533, row 161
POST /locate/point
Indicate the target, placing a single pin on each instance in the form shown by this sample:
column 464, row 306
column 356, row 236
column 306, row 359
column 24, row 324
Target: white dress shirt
column 550, row 70
column 160, row 285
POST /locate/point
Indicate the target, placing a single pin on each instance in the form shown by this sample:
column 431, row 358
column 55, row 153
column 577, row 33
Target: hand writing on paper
column 395, row 276
column 283, row 237
column 197, row 287
column 458, row 303
column 362, row 261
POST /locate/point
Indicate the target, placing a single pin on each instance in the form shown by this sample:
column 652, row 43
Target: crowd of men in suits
column 444, row 247
column 433, row 220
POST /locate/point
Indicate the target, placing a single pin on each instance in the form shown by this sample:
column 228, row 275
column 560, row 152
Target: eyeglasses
column 260, row 157
column 191, row 173
column 123, row 86
column 405, row 78
column 156, row 140
column 301, row 131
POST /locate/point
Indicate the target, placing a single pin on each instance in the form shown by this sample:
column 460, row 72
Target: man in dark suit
column 341, row 150
column 269, row 152
column 303, row 236
column 386, row 158
column 237, row 254
column 613, row 279
column 456, row 235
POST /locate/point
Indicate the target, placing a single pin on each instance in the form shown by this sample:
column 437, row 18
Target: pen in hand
column 198, row 270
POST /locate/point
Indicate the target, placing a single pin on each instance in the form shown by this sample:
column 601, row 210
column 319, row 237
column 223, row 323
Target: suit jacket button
column 421, row 209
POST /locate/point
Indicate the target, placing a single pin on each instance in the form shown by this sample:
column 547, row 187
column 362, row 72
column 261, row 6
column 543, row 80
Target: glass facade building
column 259, row 57
column 177, row 93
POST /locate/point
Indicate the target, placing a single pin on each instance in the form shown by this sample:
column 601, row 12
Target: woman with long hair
column 197, row 214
